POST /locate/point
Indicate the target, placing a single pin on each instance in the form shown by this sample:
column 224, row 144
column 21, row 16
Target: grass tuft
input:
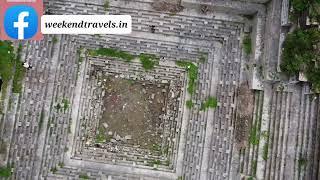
column 189, row 104
column 66, row 104
column 247, row 44
column 5, row 172
column 18, row 73
column 149, row 61
column 211, row 102
column 109, row 52
column 83, row 176
column 192, row 70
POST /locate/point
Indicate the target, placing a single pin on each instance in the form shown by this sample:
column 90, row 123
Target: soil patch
column 133, row 112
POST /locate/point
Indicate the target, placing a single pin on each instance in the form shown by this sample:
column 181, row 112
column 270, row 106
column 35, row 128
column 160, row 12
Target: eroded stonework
column 106, row 138
column 57, row 127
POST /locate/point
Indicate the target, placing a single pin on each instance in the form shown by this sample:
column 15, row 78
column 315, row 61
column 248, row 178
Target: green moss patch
column 192, row 70
column 110, row 52
column 210, row 102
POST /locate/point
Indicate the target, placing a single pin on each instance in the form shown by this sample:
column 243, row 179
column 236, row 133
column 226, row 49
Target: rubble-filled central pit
column 130, row 116
column 132, row 112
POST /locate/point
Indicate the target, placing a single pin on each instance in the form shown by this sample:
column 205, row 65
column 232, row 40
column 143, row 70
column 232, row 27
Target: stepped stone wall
column 49, row 123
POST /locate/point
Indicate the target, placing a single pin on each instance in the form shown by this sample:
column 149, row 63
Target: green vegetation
column 167, row 163
column 180, row 178
column 156, row 147
column 265, row 151
column 101, row 136
column 109, row 52
column 156, row 162
column 54, row 170
column 54, row 40
column 106, row 5
column 83, row 176
column 5, row 172
column 302, row 163
column 166, row 150
column 312, row 7
column 61, row 164
column 18, row 73
column 192, row 70
column 300, row 53
column 6, row 63
column 18, row 78
column 250, row 178
column 254, row 167
column 254, row 135
column 9, row 64
column 265, row 136
column 6, row 67
column 211, row 102
column 41, row 119
column 58, row 107
column 148, row 61
column 189, row 104
column 66, row 104
column 247, row 44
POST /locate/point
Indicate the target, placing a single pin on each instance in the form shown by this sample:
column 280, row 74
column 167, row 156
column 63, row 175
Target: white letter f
column 21, row 24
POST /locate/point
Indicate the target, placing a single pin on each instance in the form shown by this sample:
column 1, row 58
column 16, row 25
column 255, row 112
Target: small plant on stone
column 302, row 163
column 265, row 135
column 265, row 151
column 254, row 135
column 148, row 61
column 156, row 162
column 19, row 72
column 83, row 176
column 254, row 167
column 247, row 44
column 58, row 107
column 66, row 104
column 156, row 147
column 167, row 162
column 54, row 40
column 54, row 170
column 106, row 5
column 211, row 102
column 5, row 172
column 61, row 164
column 189, row 104
column 250, row 178
column 192, row 70
column 101, row 137
column 110, row 52
column 41, row 119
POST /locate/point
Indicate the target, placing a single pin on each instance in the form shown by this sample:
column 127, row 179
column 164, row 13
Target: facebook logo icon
column 21, row 22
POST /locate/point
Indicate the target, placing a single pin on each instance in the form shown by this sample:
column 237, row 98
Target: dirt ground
column 172, row 6
column 132, row 110
column 244, row 114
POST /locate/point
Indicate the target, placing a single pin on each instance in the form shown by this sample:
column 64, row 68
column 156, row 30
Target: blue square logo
column 21, row 22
